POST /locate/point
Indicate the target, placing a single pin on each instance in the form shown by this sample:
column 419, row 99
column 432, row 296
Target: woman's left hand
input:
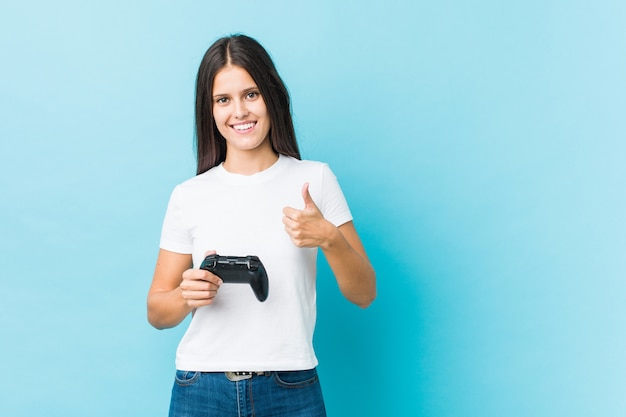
column 308, row 228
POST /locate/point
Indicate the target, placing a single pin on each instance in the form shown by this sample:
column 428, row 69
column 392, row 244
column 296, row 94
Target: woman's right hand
column 199, row 287
column 177, row 290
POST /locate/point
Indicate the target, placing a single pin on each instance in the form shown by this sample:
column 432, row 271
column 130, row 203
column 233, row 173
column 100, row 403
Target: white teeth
column 245, row 126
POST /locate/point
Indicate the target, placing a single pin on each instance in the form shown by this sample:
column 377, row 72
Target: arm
column 177, row 289
column 347, row 259
column 341, row 246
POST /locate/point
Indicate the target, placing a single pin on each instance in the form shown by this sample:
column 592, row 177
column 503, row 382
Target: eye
column 252, row 95
column 221, row 100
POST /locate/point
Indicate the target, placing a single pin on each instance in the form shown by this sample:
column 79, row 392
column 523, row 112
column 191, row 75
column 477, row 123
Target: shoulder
column 200, row 180
column 315, row 172
column 305, row 164
column 189, row 189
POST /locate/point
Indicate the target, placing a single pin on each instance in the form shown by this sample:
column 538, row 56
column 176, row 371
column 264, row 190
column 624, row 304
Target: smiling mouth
column 244, row 126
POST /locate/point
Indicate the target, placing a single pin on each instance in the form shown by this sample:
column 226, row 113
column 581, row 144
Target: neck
column 249, row 163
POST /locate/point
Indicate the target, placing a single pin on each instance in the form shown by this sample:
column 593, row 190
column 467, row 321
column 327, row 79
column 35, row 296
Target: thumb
column 306, row 196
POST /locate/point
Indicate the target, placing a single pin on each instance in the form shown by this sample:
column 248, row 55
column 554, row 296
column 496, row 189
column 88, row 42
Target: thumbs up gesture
column 307, row 228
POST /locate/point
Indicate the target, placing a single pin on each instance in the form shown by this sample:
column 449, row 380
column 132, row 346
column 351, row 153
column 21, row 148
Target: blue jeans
column 276, row 394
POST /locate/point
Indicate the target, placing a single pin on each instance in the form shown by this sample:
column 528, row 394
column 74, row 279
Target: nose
column 240, row 109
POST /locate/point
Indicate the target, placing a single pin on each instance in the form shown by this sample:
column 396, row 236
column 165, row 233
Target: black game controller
column 239, row 270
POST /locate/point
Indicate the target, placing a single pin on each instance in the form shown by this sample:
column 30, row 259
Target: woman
column 252, row 196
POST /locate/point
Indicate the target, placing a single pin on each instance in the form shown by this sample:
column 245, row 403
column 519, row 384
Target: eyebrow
column 243, row 92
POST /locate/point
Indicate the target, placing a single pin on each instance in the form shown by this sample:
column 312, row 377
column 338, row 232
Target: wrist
column 333, row 236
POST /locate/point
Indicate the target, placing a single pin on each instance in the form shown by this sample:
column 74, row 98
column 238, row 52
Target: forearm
column 354, row 273
column 167, row 308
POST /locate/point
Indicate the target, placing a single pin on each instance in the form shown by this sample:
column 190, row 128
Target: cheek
column 222, row 131
column 261, row 109
column 261, row 112
column 220, row 121
column 218, row 116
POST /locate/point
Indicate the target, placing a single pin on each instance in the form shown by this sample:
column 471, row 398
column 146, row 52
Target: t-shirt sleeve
column 175, row 236
column 334, row 206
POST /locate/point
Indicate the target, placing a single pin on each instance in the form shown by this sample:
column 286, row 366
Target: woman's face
column 239, row 111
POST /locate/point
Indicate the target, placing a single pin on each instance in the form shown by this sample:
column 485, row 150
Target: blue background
column 481, row 146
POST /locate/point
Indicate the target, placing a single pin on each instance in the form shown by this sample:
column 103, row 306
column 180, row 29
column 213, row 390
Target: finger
column 210, row 252
column 306, row 196
column 201, row 275
column 198, row 304
column 291, row 213
column 288, row 222
column 199, row 294
column 196, row 300
column 198, row 285
column 212, row 278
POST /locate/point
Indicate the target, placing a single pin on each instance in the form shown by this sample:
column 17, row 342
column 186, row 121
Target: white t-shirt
column 239, row 215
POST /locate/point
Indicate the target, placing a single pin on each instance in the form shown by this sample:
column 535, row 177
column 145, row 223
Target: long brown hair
column 247, row 53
